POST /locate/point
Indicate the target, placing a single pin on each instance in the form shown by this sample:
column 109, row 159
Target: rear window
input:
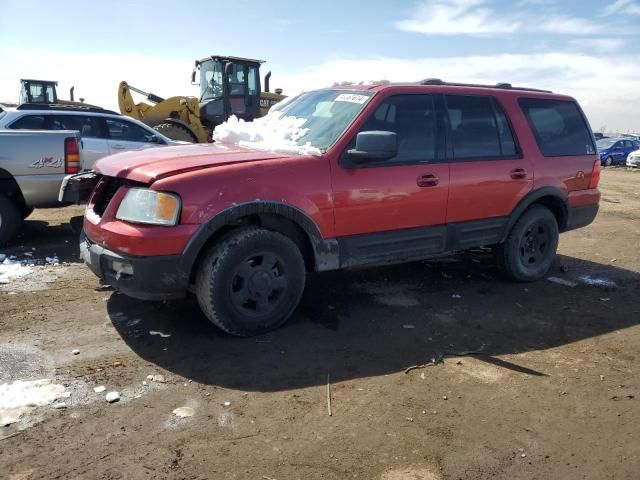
column 29, row 122
column 559, row 127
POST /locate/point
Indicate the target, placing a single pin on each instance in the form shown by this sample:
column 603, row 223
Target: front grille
column 106, row 192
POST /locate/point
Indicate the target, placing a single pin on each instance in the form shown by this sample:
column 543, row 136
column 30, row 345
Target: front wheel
column 609, row 161
column 530, row 248
column 251, row 281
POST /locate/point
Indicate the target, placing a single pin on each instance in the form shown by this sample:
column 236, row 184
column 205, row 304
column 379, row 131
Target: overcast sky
column 589, row 49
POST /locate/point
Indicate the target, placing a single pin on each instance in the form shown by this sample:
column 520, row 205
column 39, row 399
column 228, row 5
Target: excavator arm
column 176, row 117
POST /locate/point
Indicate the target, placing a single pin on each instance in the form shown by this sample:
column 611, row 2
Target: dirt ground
column 553, row 394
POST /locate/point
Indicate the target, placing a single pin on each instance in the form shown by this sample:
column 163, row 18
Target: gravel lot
column 554, row 391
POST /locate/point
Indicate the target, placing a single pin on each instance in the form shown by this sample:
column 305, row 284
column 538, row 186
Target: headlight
column 141, row 205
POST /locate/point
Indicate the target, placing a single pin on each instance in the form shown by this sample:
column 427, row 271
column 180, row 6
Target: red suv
column 382, row 175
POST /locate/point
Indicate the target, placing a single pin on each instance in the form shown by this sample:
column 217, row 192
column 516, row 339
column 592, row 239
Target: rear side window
column 559, row 127
column 479, row 128
column 29, row 122
column 89, row 127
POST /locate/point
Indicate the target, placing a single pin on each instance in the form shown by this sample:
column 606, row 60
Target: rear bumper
column 582, row 216
column 144, row 278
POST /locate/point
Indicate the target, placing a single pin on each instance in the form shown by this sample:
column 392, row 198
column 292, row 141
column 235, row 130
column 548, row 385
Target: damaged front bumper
column 144, row 278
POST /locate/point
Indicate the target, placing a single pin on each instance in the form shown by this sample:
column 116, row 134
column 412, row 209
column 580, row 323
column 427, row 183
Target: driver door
column 396, row 208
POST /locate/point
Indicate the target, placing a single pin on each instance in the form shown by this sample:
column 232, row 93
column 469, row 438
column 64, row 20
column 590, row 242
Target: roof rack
column 504, row 86
column 64, row 108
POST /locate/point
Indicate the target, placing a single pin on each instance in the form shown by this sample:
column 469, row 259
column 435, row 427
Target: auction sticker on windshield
column 352, row 98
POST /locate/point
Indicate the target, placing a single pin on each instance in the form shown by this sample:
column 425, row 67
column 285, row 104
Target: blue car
column 614, row 151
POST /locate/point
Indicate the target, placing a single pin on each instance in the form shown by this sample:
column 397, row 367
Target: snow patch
column 274, row 132
column 21, row 397
column 11, row 269
column 28, row 274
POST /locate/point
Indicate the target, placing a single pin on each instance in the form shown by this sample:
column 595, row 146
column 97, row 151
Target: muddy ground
column 553, row 394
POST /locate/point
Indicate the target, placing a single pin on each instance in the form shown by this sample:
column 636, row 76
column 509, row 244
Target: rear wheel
column 10, row 220
column 251, row 281
column 176, row 132
column 530, row 248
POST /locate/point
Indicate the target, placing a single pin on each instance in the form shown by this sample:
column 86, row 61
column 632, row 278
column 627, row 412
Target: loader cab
column 38, row 91
column 228, row 86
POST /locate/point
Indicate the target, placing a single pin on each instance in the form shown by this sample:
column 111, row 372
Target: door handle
column 519, row 174
column 118, row 147
column 428, row 181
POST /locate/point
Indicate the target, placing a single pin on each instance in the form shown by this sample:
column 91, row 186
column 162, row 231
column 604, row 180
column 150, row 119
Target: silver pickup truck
column 33, row 165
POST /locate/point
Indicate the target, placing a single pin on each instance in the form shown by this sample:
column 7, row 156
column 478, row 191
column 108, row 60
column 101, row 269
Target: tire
column 608, row 162
column 25, row 212
column 530, row 248
column 175, row 132
column 10, row 220
column 239, row 293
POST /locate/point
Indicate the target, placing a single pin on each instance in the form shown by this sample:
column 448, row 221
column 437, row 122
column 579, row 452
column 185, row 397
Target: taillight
column 71, row 156
column 595, row 175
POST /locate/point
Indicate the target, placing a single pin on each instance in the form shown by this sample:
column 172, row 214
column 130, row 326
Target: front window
column 210, row 80
column 38, row 93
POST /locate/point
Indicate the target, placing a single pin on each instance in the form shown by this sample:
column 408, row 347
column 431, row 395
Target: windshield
column 605, row 143
column 210, row 80
column 308, row 124
column 327, row 113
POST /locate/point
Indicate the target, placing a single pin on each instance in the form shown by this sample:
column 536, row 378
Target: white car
column 103, row 132
column 633, row 160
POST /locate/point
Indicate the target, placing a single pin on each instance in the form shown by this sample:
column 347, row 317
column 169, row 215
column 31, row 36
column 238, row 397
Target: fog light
column 122, row 268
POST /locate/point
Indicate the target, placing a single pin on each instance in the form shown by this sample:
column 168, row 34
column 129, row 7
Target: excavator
column 228, row 86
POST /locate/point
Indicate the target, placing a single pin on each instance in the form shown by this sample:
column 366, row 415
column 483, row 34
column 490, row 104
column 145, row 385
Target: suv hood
column 151, row 164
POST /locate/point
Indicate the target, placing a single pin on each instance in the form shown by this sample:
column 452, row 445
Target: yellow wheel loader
column 228, row 86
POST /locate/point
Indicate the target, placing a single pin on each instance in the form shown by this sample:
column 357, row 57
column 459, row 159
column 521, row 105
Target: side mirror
column 193, row 77
column 374, row 145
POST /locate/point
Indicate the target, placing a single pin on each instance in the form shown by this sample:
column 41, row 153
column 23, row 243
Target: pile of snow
column 20, row 397
column 11, row 269
column 274, row 132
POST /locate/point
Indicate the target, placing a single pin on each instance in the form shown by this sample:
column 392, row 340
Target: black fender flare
column 325, row 252
column 533, row 197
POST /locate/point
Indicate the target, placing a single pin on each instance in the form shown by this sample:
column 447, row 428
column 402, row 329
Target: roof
column 38, row 81
column 438, row 82
column 232, row 59
column 63, row 108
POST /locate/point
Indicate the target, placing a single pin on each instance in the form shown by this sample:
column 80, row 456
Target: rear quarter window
column 559, row 127
column 28, row 122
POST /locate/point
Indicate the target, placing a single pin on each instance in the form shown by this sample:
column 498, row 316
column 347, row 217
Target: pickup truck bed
column 33, row 165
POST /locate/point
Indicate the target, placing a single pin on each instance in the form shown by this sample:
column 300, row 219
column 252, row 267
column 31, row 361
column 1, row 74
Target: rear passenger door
column 489, row 175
